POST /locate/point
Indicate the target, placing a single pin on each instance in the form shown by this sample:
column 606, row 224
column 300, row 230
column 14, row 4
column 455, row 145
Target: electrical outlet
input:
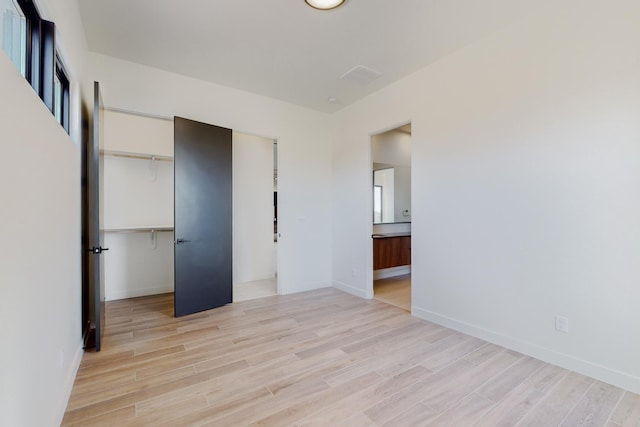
column 562, row 324
column 354, row 272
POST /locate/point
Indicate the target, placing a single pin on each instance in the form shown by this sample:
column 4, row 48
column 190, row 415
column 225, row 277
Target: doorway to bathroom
column 255, row 252
column 391, row 216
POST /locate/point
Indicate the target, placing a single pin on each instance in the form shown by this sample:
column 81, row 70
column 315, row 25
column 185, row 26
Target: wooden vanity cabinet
column 391, row 252
column 405, row 250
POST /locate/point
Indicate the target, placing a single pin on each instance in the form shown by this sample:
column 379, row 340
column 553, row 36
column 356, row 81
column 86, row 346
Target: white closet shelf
column 130, row 155
column 137, row 229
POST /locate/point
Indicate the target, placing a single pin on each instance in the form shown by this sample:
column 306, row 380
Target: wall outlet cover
column 562, row 324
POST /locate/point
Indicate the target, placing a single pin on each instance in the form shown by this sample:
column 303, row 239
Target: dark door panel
column 203, row 215
column 94, row 235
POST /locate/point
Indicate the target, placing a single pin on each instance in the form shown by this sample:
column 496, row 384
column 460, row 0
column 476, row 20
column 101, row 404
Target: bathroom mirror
column 391, row 155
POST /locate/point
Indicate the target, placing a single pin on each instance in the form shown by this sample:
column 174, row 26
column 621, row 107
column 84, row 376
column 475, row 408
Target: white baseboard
column 134, row 293
column 584, row 367
column 385, row 273
column 70, row 379
column 362, row 293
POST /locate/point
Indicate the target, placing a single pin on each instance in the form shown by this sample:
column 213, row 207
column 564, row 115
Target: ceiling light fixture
column 324, row 4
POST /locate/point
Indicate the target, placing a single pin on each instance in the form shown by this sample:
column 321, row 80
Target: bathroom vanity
column 391, row 250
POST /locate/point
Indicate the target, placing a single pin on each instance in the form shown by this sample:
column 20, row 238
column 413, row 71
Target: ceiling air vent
column 361, row 75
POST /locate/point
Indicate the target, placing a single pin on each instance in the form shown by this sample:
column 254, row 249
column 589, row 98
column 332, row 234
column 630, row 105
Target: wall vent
column 361, row 75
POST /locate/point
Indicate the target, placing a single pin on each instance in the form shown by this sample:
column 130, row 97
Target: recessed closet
column 138, row 217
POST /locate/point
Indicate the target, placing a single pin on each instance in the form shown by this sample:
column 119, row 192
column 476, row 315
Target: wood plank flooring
column 321, row 358
column 394, row 290
column 257, row 289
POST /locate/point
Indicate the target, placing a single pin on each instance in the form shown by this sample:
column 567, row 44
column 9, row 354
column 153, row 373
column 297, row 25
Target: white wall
column 304, row 153
column 124, row 132
column 137, row 192
column 402, row 207
column 526, row 187
column 138, row 264
column 40, row 318
column 393, row 147
column 254, row 251
column 40, row 313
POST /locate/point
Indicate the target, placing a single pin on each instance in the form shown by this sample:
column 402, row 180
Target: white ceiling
column 286, row 50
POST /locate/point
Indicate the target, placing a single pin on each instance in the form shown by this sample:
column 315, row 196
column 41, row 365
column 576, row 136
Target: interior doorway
column 391, row 216
column 255, row 252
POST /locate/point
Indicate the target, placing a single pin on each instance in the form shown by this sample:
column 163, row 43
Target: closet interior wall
column 138, row 205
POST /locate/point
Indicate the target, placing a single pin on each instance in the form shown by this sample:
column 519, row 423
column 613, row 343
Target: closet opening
column 138, row 217
column 391, row 216
column 255, row 220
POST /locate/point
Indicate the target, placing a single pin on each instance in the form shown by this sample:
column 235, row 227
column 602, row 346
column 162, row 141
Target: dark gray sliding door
column 203, row 209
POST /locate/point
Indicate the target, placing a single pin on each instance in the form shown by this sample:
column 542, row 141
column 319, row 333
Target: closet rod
column 137, row 229
column 136, row 155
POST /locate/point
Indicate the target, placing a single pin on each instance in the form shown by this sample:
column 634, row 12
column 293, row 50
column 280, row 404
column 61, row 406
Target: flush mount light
column 324, row 4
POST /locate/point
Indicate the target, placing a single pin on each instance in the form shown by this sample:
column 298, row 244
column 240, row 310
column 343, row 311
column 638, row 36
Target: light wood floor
column 321, row 358
column 394, row 290
column 257, row 289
